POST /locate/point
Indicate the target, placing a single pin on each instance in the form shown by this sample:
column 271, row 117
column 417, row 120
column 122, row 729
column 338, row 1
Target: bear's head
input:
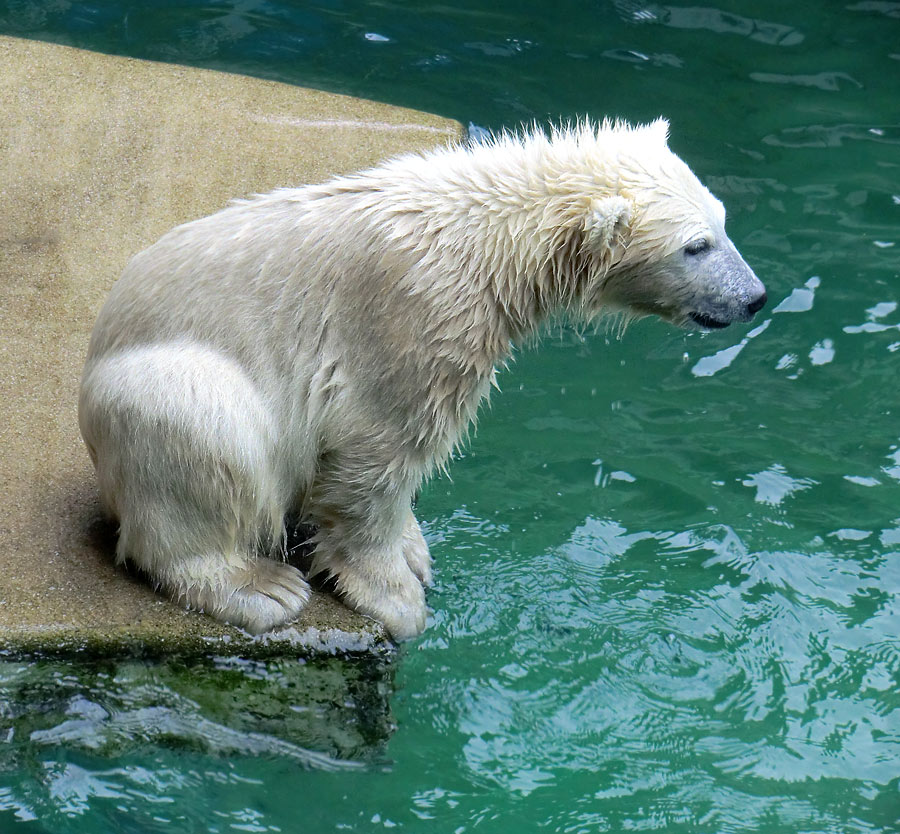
column 661, row 237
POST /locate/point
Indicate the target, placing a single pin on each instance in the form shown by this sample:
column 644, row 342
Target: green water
column 668, row 564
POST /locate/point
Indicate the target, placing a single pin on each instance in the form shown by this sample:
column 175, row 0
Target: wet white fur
column 318, row 351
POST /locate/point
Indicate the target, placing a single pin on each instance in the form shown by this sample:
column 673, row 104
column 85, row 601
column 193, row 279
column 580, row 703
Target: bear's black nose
column 757, row 304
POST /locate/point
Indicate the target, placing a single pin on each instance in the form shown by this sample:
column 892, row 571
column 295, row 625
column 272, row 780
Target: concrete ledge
column 99, row 156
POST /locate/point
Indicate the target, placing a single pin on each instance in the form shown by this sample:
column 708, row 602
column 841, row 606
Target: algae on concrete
column 99, row 156
column 333, row 713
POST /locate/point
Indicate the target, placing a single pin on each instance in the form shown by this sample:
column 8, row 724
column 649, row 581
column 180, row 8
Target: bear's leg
column 185, row 455
column 369, row 542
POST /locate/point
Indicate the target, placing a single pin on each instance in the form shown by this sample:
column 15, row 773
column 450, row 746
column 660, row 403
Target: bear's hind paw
column 264, row 595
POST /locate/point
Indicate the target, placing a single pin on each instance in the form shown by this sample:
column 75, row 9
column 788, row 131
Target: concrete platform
column 99, row 156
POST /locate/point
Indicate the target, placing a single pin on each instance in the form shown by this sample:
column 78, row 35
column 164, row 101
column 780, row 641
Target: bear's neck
column 476, row 248
column 506, row 228
column 495, row 247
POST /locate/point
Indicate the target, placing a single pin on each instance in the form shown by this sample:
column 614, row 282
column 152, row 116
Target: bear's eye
column 697, row 247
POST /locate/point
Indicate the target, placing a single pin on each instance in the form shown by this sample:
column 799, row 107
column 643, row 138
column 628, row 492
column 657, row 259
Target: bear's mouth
column 708, row 322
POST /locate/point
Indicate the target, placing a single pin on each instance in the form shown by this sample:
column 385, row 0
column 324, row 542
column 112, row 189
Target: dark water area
column 668, row 563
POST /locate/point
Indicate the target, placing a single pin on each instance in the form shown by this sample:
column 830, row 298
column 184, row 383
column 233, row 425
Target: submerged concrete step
column 99, row 156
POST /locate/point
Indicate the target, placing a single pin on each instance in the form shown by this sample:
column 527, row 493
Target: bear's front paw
column 415, row 551
column 402, row 611
column 386, row 591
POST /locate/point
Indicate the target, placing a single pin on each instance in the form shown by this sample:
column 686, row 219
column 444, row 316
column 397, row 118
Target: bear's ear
column 608, row 223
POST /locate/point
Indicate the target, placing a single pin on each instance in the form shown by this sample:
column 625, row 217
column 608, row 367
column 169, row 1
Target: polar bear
column 316, row 352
